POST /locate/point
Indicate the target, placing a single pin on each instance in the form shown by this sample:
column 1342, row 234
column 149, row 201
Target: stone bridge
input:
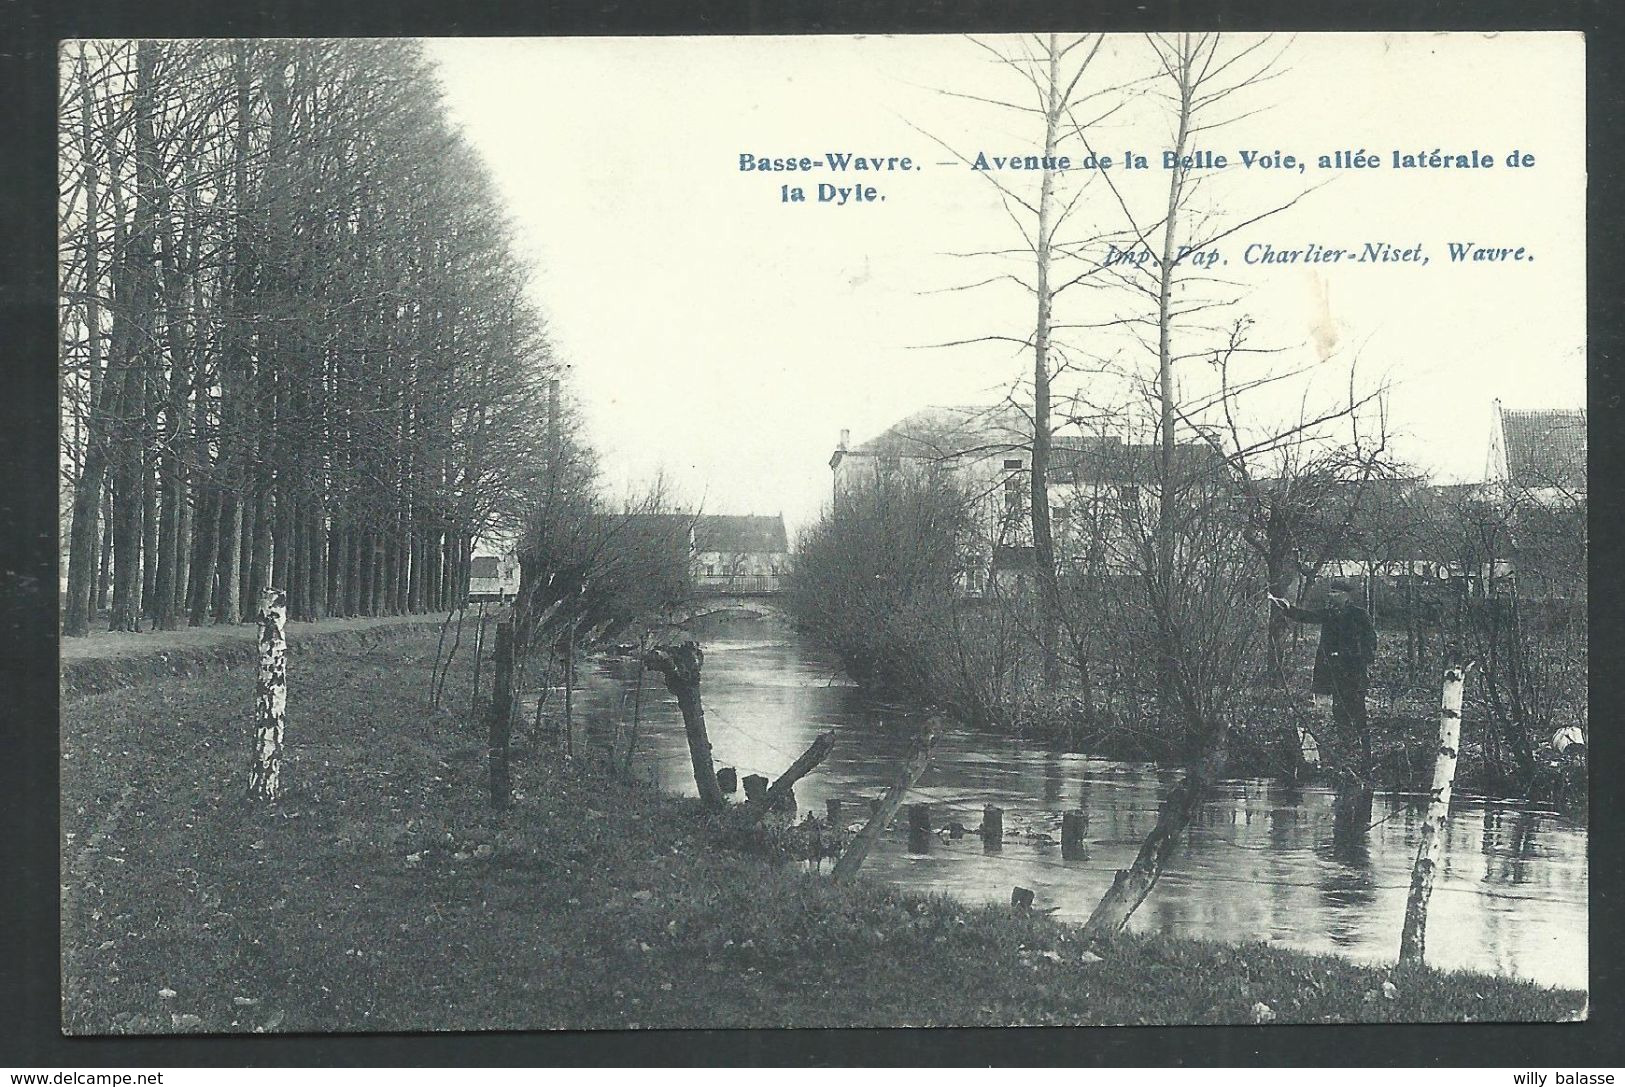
column 766, row 604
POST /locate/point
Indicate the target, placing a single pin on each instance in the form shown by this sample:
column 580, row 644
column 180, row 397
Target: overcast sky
column 726, row 337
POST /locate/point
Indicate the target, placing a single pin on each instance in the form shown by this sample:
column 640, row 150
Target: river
column 1510, row 897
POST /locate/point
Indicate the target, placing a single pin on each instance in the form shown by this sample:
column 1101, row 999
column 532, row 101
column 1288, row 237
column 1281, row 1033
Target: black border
column 29, row 978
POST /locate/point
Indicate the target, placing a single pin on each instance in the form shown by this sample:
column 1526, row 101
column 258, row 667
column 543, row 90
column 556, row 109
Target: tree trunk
column 680, row 665
column 104, row 568
column 1131, row 885
column 1166, row 498
column 804, row 765
column 149, row 511
column 84, row 527
column 271, row 697
column 857, row 851
column 1413, row 938
column 259, row 572
column 231, row 558
column 1049, row 596
column 206, row 544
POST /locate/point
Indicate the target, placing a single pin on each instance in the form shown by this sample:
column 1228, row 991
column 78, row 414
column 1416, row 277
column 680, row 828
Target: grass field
column 383, row 894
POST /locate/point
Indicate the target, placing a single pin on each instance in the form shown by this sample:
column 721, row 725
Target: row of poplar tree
column 296, row 348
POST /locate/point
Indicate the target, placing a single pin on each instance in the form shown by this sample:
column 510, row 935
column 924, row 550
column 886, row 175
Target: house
column 1538, row 456
column 1536, row 480
column 1102, row 490
column 740, row 554
column 493, row 577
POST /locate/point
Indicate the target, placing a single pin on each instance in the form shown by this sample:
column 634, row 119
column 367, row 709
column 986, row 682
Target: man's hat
column 1338, row 585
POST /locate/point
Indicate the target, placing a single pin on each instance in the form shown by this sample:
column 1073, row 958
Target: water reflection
column 1260, row 862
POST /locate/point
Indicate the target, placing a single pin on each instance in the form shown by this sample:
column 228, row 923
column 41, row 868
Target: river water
column 1510, row 897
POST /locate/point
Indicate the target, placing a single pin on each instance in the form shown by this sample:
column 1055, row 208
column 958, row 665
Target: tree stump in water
column 992, row 829
column 1073, row 826
column 919, row 828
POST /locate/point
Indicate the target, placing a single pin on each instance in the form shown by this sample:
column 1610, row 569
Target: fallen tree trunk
column 680, row 666
column 780, row 789
column 858, row 850
column 1131, row 885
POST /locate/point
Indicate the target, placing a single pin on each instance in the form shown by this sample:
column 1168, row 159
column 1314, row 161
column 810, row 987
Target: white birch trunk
column 270, row 697
column 1413, row 939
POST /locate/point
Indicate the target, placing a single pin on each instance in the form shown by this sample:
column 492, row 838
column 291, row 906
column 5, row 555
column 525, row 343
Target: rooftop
column 1545, row 448
column 740, row 533
column 977, row 431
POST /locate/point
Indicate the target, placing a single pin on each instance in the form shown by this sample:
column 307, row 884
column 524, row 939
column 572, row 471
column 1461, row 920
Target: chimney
column 846, row 436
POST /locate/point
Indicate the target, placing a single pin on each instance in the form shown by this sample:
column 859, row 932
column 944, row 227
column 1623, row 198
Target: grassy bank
column 383, row 895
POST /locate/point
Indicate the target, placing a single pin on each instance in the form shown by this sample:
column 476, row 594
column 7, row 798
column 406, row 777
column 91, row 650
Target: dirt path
column 105, row 660
column 107, row 644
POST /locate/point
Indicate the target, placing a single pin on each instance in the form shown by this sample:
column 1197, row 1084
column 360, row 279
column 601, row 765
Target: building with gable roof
column 740, row 553
column 1097, row 484
column 1538, row 456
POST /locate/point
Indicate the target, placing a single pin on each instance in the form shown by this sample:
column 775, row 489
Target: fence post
column 501, row 715
column 1073, row 826
column 919, row 828
column 270, row 696
column 479, row 650
column 992, row 829
column 1413, row 939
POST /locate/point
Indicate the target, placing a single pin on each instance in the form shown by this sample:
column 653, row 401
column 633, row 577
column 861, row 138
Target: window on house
column 1012, row 493
column 889, row 464
column 1014, row 462
column 1128, row 498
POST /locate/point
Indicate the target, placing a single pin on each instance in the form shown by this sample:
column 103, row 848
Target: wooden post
column 1413, row 939
column 728, row 780
column 501, row 716
column 782, row 794
column 858, row 850
column 570, row 692
column 680, row 665
column 874, row 805
column 637, row 710
column 270, row 696
column 1073, row 826
column 756, row 790
column 992, row 829
column 919, row 828
column 832, row 810
column 1021, row 898
column 479, row 649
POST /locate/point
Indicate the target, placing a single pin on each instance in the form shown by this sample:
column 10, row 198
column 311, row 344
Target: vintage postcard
column 808, row 531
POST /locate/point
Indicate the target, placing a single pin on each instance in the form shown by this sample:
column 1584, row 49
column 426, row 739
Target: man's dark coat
column 1348, row 644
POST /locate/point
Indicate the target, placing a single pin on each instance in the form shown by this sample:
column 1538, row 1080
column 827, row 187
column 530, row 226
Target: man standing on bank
column 1348, row 644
